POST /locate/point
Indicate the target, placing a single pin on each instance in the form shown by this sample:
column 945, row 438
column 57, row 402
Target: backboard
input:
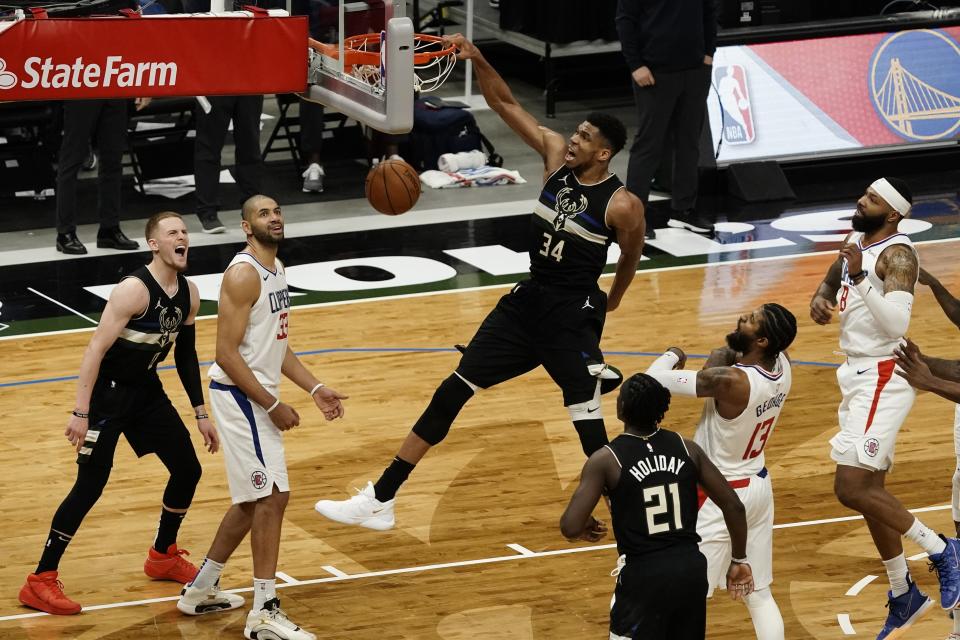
column 386, row 106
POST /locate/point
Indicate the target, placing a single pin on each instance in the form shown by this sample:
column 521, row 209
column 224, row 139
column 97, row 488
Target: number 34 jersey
column 569, row 235
column 736, row 446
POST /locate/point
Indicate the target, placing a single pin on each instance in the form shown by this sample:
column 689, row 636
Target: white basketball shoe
column 271, row 623
column 195, row 602
column 362, row 509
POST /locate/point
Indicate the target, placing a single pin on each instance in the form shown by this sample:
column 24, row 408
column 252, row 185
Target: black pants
column 675, row 105
column 81, row 119
column 311, row 129
column 211, row 132
column 662, row 596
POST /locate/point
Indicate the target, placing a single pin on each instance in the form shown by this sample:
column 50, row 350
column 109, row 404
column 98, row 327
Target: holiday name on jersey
column 772, row 403
column 652, row 464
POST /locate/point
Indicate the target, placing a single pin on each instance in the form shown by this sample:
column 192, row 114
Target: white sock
column 263, row 591
column 765, row 614
column 956, row 622
column 208, row 575
column 897, row 573
column 925, row 538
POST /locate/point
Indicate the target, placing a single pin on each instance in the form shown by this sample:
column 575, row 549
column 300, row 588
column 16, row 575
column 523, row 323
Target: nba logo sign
column 871, row 447
column 735, row 110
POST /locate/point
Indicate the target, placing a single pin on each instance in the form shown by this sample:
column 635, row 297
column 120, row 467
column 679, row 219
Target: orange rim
column 355, row 52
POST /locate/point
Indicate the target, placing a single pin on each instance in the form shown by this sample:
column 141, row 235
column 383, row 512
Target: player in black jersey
column 651, row 477
column 555, row 318
column 118, row 391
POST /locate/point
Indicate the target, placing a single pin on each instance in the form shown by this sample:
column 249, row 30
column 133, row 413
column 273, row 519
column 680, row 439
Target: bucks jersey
column 569, row 235
column 654, row 505
column 264, row 343
column 859, row 333
column 736, row 446
column 145, row 341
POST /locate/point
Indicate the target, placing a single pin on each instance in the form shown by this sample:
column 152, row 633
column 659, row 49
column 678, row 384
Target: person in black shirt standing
column 651, row 477
column 669, row 45
column 555, row 318
column 118, row 391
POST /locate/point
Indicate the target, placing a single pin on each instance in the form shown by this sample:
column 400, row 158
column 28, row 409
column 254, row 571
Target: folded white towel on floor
column 479, row 177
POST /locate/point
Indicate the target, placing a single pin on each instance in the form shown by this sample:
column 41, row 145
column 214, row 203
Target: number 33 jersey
column 264, row 343
column 569, row 235
column 736, row 446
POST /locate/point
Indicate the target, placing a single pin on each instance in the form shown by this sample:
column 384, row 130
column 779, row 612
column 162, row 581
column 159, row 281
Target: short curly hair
column 643, row 401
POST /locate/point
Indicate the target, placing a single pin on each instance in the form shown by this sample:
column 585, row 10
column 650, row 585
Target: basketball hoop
column 364, row 59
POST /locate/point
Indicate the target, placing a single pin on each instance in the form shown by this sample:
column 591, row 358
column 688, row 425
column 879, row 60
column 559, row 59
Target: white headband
column 889, row 193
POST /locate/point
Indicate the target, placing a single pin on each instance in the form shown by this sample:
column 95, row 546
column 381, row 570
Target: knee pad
column 434, row 423
column 589, row 410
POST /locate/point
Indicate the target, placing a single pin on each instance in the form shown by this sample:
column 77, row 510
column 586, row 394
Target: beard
column 866, row 224
column 264, row 236
column 739, row 341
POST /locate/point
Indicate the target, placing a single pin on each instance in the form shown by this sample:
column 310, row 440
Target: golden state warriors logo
column 568, row 207
column 915, row 84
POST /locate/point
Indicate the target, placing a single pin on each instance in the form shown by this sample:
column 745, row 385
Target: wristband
column 738, row 560
column 854, row 276
column 314, row 390
column 275, row 404
column 80, row 414
column 201, row 416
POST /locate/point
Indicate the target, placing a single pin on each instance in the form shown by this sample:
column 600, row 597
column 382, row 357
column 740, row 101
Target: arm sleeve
column 631, row 33
column 680, row 382
column 709, row 27
column 891, row 311
column 188, row 367
column 665, row 362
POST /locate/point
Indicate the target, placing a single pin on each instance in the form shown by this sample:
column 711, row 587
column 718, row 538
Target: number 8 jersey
column 736, row 446
column 264, row 344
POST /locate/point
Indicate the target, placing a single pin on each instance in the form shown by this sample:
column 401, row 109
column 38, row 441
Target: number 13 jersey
column 264, row 344
column 569, row 235
column 736, row 446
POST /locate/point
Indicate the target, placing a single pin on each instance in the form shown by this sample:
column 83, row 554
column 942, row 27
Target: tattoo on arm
column 713, row 381
column 901, row 268
column 831, row 283
column 721, row 357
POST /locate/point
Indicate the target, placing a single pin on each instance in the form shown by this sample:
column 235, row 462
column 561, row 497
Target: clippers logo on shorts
column 737, row 114
column 871, row 447
column 258, row 479
column 8, row 80
column 567, row 207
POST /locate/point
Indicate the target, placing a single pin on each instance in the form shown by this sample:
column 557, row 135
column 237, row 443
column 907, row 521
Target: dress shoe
column 691, row 220
column 113, row 238
column 69, row 243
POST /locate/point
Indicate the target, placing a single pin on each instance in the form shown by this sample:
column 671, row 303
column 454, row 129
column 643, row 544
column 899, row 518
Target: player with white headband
column 872, row 283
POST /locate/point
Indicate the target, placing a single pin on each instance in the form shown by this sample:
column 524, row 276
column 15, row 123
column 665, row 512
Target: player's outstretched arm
column 238, row 293
column 822, row 303
column 942, row 377
column 548, row 143
column 739, row 575
column 946, row 300
column 128, row 299
column 626, row 216
column 188, row 368
column 599, row 471
column 326, row 399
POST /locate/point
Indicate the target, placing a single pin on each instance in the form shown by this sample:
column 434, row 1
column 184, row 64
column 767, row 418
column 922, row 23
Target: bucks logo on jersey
column 568, row 207
column 169, row 323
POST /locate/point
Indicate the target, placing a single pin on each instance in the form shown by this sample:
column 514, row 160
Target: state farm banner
column 189, row 55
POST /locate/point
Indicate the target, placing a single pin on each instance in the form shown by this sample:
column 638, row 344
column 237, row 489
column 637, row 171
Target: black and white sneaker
column 212, row 224
column 196, row 602
column 692, row 221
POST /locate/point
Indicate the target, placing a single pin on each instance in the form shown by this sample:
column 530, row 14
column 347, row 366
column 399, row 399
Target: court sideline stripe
column 509, row 285
column 438, row 566
column 315, row 352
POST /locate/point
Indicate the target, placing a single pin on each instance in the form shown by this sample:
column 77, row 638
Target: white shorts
column 757, row 499
column 956, row 433
column 875, row 403
column 252, row 446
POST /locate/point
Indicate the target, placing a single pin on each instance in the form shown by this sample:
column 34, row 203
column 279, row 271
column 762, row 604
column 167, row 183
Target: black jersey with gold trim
column 569, row 235
column 147, row 338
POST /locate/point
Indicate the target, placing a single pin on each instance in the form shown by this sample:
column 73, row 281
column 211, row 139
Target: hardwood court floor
column 502, row 477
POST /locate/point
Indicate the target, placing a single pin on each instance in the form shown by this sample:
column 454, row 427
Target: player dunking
column 872, row 283
column 252, row 352
column 651, row 477
column 555, row 318
column 746, row 385
column 118, row 391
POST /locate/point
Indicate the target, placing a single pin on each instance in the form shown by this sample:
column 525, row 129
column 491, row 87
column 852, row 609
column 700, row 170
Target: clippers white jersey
column 264, row 344
column 736, row 446
column 859, row 333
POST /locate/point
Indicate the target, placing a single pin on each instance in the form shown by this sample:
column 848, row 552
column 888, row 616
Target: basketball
column 393, row 187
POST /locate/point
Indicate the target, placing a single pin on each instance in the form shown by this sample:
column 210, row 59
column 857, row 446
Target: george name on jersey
column 279, row 300
column 772, row 403
column 652, row 464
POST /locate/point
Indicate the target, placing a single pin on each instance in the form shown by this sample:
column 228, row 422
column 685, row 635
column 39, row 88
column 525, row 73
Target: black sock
column 53, row 551
column 593, row 434
column 393, row 476
column 167, row 531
